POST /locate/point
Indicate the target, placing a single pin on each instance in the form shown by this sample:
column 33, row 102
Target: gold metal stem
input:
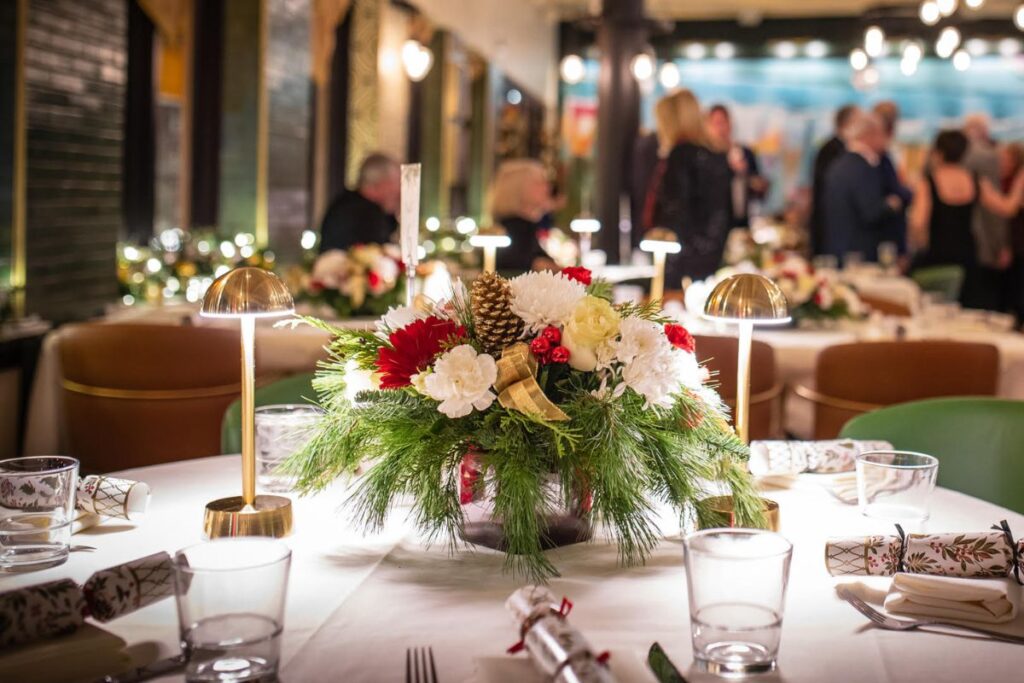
column 743, row 381
column 658, row 282
column 490, row 258
column 248, row 410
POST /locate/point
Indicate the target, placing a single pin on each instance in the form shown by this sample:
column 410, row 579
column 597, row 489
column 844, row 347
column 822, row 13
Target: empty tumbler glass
column 281, row 431
column 231, row 595
column 37, row 508
column 737, row 586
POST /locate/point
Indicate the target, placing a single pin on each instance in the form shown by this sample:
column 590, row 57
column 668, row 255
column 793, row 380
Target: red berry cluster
column 547, row 346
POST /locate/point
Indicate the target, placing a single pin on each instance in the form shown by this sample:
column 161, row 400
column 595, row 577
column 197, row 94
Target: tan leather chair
column 145, row 394
column 851, row 379
column 886, row 307
column 718, row 354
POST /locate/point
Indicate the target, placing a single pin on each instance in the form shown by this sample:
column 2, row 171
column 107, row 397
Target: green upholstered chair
column 979, row 442
column 295, row 389
column 943, row 280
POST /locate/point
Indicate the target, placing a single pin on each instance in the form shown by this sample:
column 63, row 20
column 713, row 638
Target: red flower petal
column 680, row 337
column 413, row 348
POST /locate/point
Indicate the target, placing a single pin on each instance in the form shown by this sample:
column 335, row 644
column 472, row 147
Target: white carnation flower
column 652, row 367
column 396, row 318
column 461, row 381
column 545, row 298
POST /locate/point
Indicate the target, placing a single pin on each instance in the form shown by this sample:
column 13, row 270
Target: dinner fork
column 891, row 624
column 419, row 665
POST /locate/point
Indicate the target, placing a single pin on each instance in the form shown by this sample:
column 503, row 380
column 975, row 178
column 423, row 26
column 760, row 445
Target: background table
column 355, row 603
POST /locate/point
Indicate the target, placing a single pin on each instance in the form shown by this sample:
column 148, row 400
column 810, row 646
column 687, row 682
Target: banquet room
column 511, row 341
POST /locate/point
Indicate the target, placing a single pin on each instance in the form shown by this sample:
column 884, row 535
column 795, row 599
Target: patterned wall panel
column 363, row 97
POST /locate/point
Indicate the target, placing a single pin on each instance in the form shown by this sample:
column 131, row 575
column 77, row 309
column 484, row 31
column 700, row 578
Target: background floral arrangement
column 813, row 295
column 538, row 375
column 364, row 280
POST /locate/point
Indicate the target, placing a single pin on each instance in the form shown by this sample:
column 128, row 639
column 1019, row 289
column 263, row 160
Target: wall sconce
column 491, row 239
column 417, row 60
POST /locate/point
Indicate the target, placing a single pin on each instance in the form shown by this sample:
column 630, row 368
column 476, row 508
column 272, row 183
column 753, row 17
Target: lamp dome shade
column 747, row 297
column 247, row 291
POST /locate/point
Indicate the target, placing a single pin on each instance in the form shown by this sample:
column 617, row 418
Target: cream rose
column 590, row 328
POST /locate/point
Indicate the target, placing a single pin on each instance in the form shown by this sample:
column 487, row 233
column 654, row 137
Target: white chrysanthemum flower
column 461, row 381
column 396, row 318
column 545, row 298
column 639, row 337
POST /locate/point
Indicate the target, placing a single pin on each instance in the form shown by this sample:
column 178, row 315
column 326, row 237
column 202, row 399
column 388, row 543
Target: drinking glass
column 737, row 586
column 230, row 594
column 281, row 431
column 37, row 508
column 888, row 252
column 825, row 262
column 852, row 260
column 896, row 485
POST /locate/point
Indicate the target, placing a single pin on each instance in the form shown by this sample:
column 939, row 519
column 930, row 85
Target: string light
column 573, row 69
column 1009, row 47
column 976, row 47
column 908, row 67
column 1018, row 17
column 874, row 41
column 642, row 66
column 695, row 51
column 816, row 49
column 417, row 60
column 974, row 4
column 962, row 60
column 946, row 7
column 725, row 51
column 948, row 42
column 930, row 14
column 668, row 75
column 785, row 49
column 858, row 59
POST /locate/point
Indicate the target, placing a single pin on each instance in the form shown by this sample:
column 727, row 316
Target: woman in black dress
column 943, row 207
column 690, row 190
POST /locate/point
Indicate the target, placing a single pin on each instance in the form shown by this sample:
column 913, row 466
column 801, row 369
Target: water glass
column 737, row 586
column 896, row 485
column 888, row 252
column 281, row 431
column 37, row 508
column 230, row 594
column 852, row 260
column 826, row 262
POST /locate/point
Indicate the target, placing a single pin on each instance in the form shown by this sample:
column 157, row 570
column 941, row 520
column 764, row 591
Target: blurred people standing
column 365, row 215
column 520, row 199
column 894, row 228
column 1011, row 167
column 827, row 154
column 856, row 208
column 689, row 191
column 991, row 230
column 942, row 216
column 747, row 183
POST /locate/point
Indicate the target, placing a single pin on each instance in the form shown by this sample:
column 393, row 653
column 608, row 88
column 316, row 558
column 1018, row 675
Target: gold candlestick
column 658, row 242
column 746, row 299
column 247, row 294
column 490, row 239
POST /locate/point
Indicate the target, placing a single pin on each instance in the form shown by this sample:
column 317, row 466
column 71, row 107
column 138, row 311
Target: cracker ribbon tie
column 1015, row 552
column 517, row 385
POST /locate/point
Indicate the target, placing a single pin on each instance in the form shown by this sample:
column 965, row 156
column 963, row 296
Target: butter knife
column 662, row 666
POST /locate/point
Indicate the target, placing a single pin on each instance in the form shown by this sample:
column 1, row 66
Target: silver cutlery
column 419, row 665
column 892, row 624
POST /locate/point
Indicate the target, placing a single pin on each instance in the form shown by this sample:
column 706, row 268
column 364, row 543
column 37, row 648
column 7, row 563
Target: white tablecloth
column 355, row 604
column 278, row 352
column 872, row 282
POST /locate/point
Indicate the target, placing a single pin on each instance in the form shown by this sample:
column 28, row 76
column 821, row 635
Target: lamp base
column 268, row 516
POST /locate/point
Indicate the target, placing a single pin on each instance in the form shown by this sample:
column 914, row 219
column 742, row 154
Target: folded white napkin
column 991, row 601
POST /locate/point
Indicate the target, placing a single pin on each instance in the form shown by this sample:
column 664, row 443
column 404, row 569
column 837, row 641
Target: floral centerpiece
column 536, row 377
column 364, row 280
column 813, row 296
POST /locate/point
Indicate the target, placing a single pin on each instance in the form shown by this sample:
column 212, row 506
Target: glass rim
column 69, row 464
column 180, row 555
column 787, row 548
column 930, row 461
column 271, row 408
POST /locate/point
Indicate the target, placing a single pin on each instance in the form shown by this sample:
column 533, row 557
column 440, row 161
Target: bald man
column 856, row 207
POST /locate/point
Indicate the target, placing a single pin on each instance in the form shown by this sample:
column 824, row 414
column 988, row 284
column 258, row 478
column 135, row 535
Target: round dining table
column 355, row 602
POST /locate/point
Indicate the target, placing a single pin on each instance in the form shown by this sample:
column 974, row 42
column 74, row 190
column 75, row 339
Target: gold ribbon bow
column 517, row 385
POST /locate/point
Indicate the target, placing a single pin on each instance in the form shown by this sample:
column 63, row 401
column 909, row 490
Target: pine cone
column 496, row 325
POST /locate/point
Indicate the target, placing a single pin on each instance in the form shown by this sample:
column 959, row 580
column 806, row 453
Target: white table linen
column 355, row 603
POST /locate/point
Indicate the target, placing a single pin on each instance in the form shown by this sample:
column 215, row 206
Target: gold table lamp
column 491, row 239
column 585, row 227
column 658, row 242
column 746, row 299
column 248, row 293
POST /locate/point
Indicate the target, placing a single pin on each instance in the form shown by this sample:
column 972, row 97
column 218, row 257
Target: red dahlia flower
column 579, row 274
column 680, row 337
column 413, row 348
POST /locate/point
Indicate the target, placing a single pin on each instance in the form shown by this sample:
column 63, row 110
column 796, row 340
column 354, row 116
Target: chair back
column 856, row 378
column 977, row 441
column 139, row 395
column 719, row 355
column 297, row 389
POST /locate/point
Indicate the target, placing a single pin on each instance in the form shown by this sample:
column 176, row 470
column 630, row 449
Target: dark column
column 139, row 160
column 207, row 80
column 621, row 36
column 337, row 154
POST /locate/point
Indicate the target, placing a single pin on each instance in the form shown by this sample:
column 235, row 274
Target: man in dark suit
column 747, row 182
column 365, row 215
column 829, row 152
column 856, row 205
column 895, row 228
